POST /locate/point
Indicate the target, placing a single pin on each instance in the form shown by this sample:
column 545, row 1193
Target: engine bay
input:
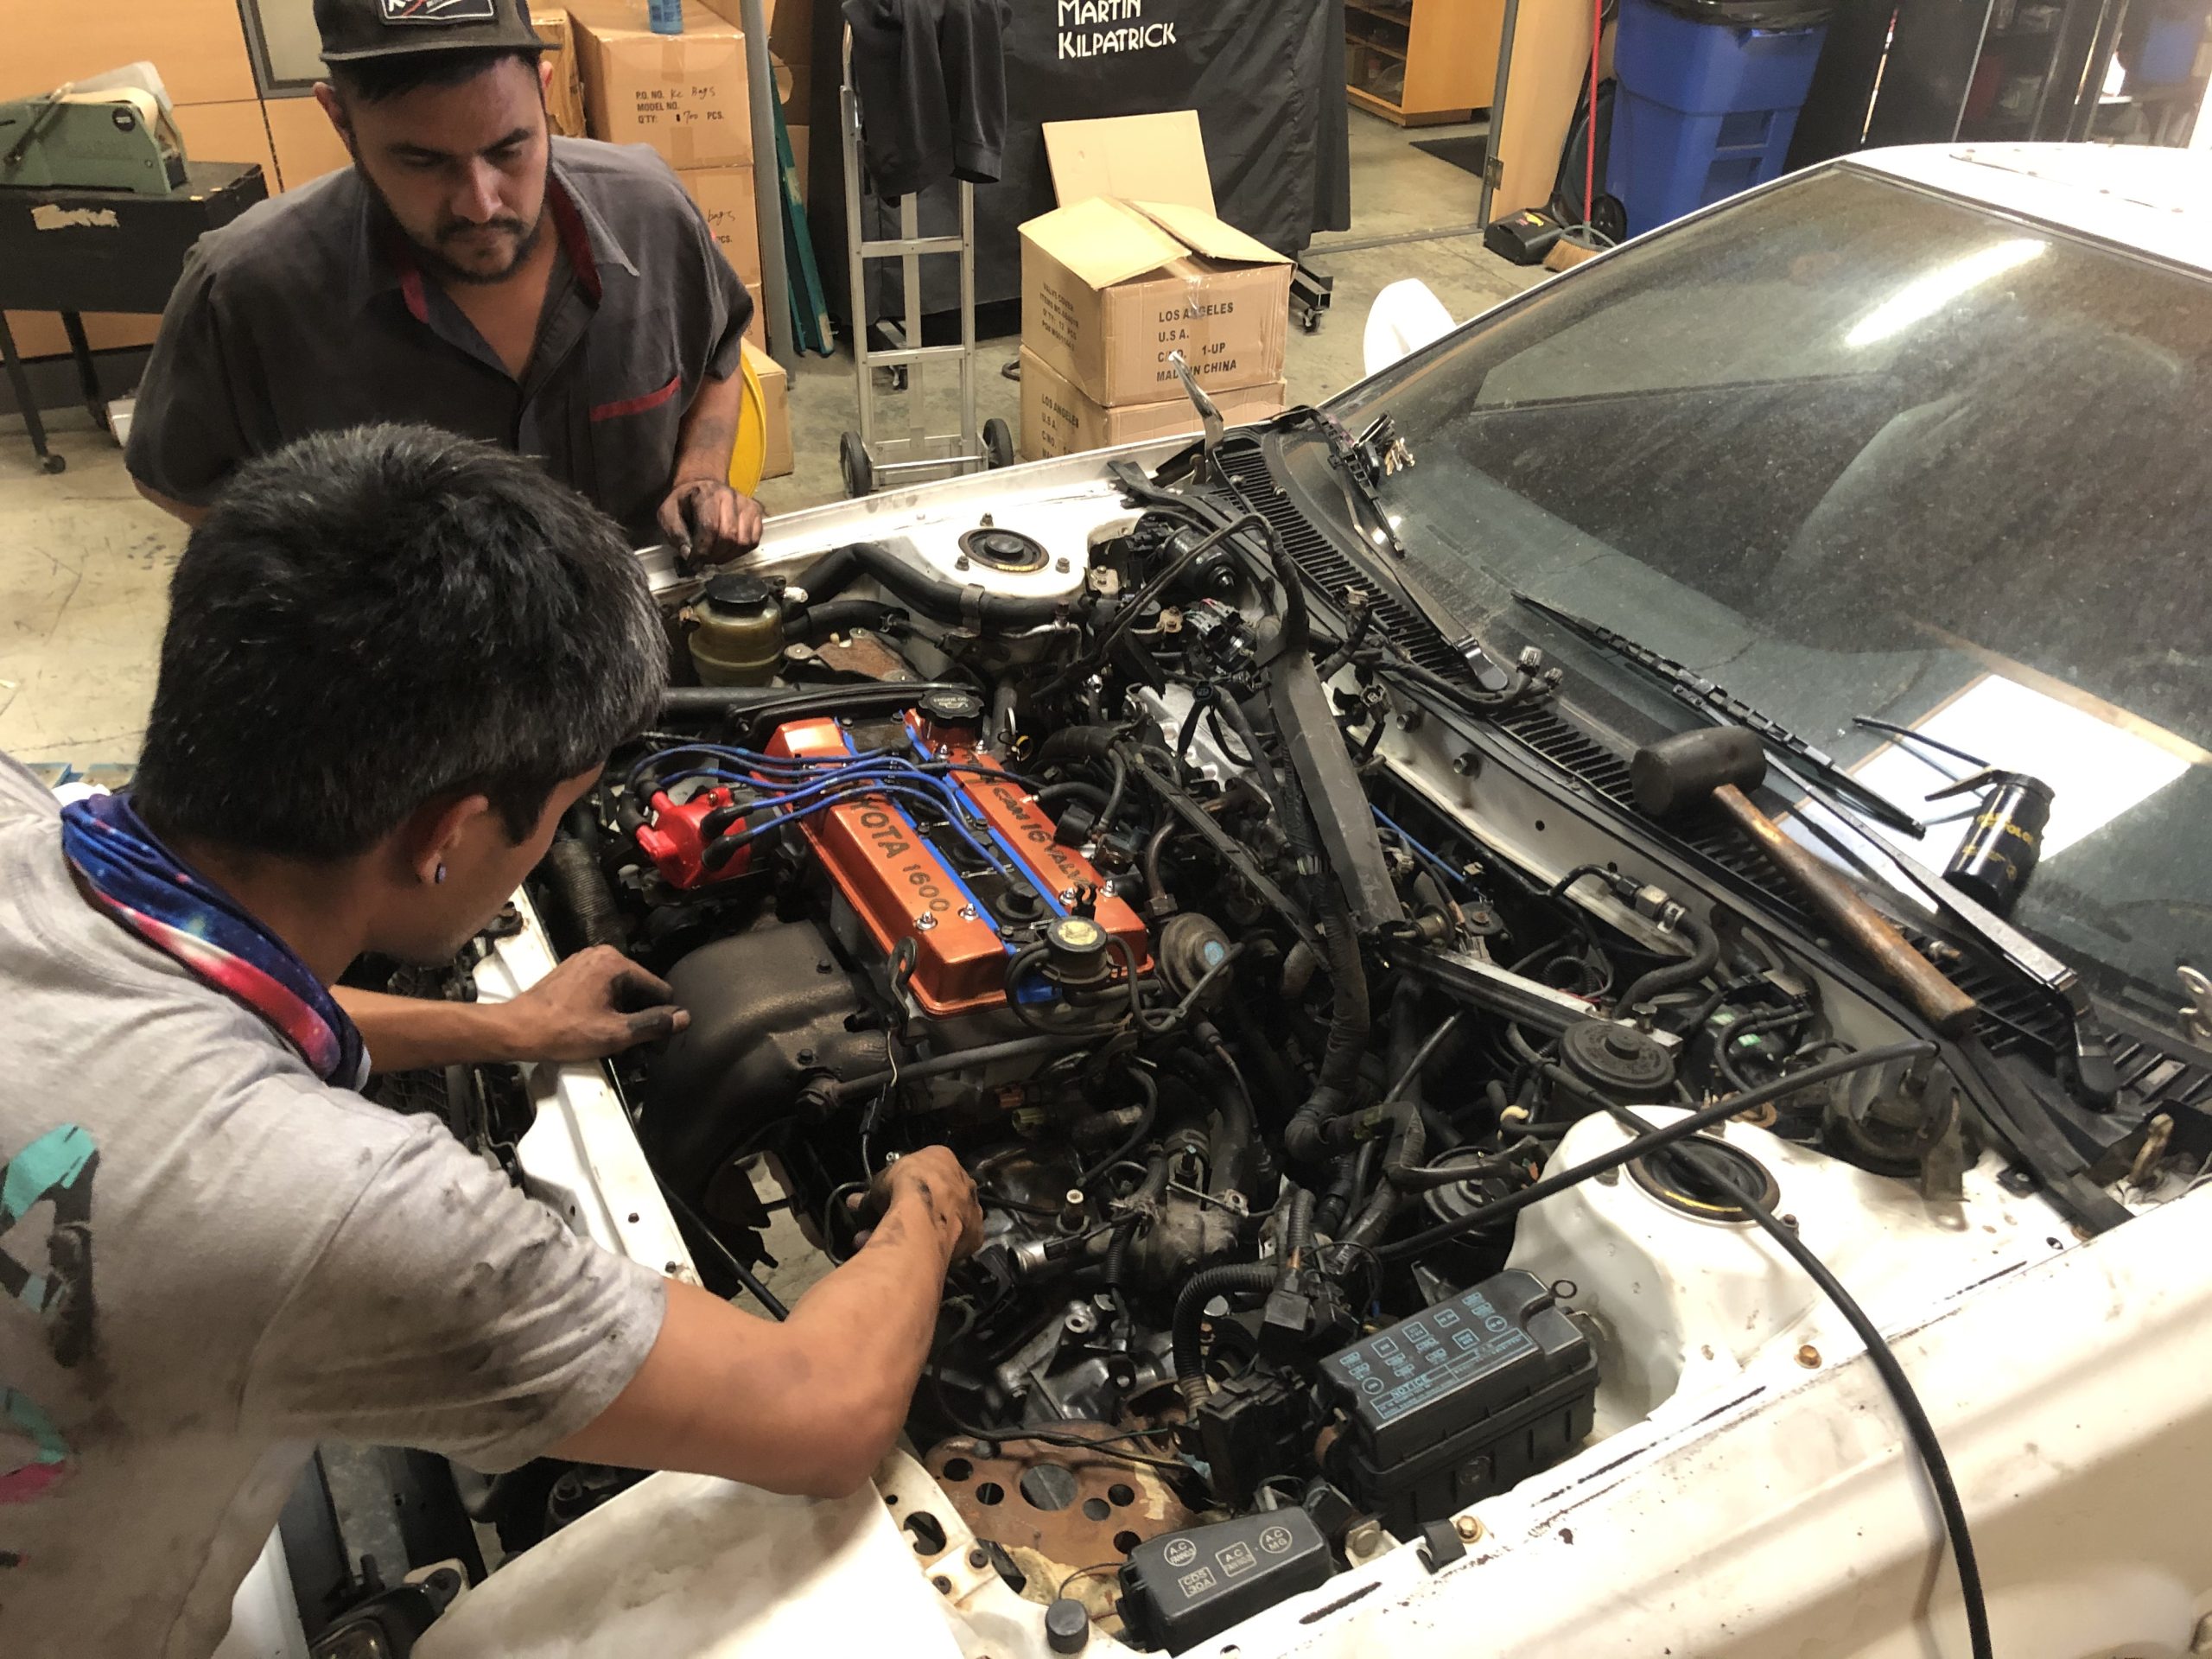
column 1311, row 1111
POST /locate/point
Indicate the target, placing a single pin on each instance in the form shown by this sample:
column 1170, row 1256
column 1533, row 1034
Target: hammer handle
column 1942, row 1004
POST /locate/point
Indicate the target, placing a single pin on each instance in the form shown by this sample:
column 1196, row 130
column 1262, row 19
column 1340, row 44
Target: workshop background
column 1307, row 152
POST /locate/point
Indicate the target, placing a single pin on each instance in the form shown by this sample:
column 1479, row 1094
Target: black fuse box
column 1182, row 1589
column 1464, row 1399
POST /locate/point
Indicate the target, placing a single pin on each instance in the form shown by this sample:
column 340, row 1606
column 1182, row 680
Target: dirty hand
column 596, row 1003
column 707, row 519
column 933, row 1176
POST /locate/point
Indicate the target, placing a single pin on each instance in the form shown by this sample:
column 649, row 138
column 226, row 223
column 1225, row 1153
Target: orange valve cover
column 902, row 887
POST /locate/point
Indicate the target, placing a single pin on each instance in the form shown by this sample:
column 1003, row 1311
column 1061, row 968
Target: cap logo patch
column 436, row 12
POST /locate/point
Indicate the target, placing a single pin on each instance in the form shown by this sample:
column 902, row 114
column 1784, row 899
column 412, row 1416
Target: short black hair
column 374, row 79
column 373, row 619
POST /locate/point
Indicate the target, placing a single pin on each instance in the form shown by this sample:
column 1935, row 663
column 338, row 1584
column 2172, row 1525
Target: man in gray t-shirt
column 393, row 660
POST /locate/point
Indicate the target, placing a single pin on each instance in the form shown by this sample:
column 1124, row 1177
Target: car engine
column 1104, row 856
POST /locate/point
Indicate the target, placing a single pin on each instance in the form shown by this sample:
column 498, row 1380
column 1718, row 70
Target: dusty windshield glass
column 1853, row 447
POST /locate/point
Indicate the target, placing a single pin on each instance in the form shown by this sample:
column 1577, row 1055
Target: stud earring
column 439, row 879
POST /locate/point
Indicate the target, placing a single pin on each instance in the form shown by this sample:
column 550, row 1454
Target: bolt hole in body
column 928, row 1533
column 1096, row 1508
column 1120, row 1495
column 990, row 1492
column 1125, row 1541
column 1048, row 1486
column 958, row 1469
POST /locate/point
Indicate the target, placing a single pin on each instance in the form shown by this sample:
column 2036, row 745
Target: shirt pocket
column 634, row 440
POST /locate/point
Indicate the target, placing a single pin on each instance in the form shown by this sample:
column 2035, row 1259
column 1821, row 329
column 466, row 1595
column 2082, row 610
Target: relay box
column 1460, row 1400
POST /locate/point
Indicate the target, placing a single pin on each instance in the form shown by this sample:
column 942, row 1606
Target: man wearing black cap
column 470, row 271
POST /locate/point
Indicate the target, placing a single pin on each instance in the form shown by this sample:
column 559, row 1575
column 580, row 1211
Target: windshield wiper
column 1716, row 703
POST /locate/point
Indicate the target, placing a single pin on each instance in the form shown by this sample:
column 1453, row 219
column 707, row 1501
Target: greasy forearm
column 708, row 435
column 808, row 1406
column 408, row 1033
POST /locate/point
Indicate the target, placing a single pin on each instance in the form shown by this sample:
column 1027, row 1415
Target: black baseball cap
column 353, row 30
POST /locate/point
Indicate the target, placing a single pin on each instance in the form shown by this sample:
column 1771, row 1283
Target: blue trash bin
column 1705, row 108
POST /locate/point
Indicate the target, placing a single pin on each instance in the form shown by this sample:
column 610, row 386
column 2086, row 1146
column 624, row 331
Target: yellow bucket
column 750, row 456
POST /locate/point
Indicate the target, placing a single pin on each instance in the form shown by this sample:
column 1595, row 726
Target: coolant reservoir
column 1682, row 1292
column 738, row 640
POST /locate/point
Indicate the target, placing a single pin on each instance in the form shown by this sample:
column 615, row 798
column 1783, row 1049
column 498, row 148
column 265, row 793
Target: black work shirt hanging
column 930, row 77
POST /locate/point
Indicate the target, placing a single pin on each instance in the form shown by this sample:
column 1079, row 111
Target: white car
column 1256, row 859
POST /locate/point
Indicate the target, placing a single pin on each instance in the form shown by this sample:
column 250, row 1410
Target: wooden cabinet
column 1422, row 62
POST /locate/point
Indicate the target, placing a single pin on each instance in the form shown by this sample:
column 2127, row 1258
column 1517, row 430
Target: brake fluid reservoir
column 738, row 639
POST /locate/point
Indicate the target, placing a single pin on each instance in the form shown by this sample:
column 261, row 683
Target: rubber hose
column 1126, row 1229
column 1198, row 1289
column 1136, row 1137
column 764, row 707
column 1049, row 797
column 1013, row 1049
column 1337, row 1199
column 807, row 625
column 1703, row 958
column 1078, row 743
column 1305, row 1137
column 1408, row 1146
column 1232, row 1147
column 947, row 601
column 572, row 874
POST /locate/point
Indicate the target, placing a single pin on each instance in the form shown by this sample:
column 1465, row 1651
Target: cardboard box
column 775, row 397
column 198, row 45
column 306, row 145
column 684, row 94
column 1110, row 288
column 725, row 196
column 1058, row 419
column 564, row 94
column 1137, row 157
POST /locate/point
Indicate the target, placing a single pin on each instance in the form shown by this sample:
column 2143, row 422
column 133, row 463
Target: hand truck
column 867, row 460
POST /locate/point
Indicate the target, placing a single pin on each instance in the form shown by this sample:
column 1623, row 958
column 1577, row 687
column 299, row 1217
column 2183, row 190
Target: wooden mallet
column 1717, row 765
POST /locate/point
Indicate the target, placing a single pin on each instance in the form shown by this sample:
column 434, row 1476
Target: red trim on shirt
column 576, row 240
column 411, row 289
column 638, row 406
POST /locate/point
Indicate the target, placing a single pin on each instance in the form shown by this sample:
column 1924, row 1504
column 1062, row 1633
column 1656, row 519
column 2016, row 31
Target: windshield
column 1854, row 449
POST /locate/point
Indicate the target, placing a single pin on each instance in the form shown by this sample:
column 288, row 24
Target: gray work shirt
column 308, row 315
column 210, row 1259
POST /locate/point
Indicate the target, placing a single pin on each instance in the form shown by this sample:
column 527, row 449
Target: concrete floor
column 85, row 564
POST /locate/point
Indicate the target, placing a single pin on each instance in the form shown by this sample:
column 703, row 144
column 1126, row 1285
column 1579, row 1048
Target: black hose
column 807, row 625
column 1233, row 1147
column 1049, row 797
column 1490, row 1214
column 1105, row 820
column 572, row 874
column 764, row 707
column 1305, row 1137
column 1136, row 1137
column 1198, row 1289
column 1126, row 1229
column 1337, row 1199
column 1408, row 1144
column 1013, row 1049
column 1704, row 957
column 1921, row 1431
column 971, row 606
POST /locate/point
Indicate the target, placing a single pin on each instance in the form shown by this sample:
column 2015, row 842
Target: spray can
column 665, row 16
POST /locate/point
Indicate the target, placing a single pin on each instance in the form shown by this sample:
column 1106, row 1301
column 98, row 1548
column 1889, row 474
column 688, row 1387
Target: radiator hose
column 970, row 606
column 1705, row 955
